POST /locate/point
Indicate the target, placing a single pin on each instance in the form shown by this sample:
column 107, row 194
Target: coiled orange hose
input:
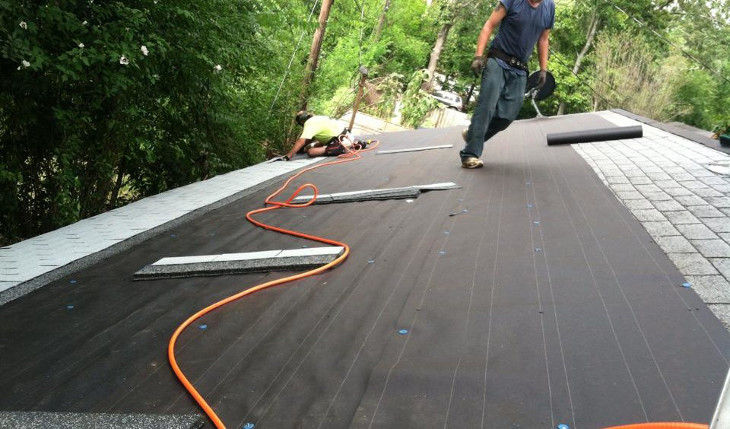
column 349, row 156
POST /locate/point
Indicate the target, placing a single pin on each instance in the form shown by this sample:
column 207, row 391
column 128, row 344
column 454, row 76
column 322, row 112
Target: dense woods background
column 105, row 102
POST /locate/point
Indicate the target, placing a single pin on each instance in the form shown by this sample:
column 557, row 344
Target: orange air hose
column 349, row 156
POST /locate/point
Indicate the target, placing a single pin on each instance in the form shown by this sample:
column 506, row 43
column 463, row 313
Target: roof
column 549, row 288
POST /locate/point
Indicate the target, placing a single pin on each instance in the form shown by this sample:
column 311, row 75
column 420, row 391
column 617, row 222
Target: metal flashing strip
column 415, row 149
column 237, row 263
column 44, row 420
column 377, row 194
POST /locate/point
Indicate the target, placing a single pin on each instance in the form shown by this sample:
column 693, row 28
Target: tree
column 102, row 103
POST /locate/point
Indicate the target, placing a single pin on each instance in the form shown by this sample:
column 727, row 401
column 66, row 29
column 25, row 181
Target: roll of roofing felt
column 601, row 134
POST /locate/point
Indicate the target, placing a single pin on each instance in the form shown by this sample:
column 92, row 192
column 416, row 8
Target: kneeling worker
column 322, row 136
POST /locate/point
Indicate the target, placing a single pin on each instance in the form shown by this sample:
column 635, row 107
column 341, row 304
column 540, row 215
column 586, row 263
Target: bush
column 105, row 102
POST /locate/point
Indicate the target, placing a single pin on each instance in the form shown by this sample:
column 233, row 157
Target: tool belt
column 509, row 59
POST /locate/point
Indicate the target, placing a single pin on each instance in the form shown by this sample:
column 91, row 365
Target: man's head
column 302, row 116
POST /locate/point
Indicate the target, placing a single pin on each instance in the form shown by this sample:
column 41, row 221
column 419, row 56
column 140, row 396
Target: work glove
column 478, row 64
column 541, row 79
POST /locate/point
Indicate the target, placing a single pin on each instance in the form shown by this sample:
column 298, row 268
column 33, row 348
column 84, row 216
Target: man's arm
column 543, row 48
column 298, row 145
column 495, row 18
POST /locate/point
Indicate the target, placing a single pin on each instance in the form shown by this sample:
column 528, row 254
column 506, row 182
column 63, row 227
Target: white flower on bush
column 217, row 67
column 85, row 22
column 25, row 64
column 23, row 25
column 81, row 45
column 123, row 60
column 144, row 50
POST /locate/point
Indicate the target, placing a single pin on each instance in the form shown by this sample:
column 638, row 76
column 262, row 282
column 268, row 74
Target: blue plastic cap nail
column 203, row 326
column 537, row 249
column 371, row 261
column 441, row 252
column 687, row 285
column 563, row 426
column 248, row 426
column 72, row 281
column 403, row 331
column 70, row 306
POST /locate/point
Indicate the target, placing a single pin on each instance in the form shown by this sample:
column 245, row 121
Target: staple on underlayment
column 414, row 149
column 238, row 263
column 377, row 194
column 44, row 419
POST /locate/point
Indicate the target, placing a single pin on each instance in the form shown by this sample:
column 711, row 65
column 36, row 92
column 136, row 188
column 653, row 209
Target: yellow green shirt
column 321, row 128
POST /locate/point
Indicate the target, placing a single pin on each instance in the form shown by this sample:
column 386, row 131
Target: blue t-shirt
column 521, row 28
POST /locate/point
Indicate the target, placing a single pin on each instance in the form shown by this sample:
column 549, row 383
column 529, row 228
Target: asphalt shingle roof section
column 544, row 301
column 32, row 263
column 665, row 182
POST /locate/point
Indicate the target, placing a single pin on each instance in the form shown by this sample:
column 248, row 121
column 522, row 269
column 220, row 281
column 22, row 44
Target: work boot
column 360, row 145
column 472, row 162
column 464, row 133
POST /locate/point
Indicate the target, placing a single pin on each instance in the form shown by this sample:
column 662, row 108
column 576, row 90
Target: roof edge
column 689, row 135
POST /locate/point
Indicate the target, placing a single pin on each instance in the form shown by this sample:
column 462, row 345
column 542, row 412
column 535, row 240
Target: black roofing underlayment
column 543, row 302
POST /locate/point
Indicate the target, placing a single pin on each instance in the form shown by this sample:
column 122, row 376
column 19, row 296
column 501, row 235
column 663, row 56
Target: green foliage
column 103, row 102
column 389, row 91
column 642, row 84
column 417, row 102
column 407, row 38
column 339, row 104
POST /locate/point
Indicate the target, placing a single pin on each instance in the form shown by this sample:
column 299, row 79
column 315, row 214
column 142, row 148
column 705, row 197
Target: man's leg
column 489, row 91
column 496, row 125
column 316, row 151
column 508, row 106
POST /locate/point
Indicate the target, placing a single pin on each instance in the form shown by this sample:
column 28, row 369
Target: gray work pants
column 501, row 94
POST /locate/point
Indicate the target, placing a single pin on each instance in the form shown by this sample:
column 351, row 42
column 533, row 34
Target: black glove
column 541, row 79
column 478, row 65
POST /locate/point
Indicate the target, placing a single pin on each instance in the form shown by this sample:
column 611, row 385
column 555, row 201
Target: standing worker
column 522, row 24
column 322, row 136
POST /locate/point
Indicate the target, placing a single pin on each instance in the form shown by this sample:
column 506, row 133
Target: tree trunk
column 438, row 47
column 121, row 171
column 595, row 21
column 313, row 60
column 381, row 22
